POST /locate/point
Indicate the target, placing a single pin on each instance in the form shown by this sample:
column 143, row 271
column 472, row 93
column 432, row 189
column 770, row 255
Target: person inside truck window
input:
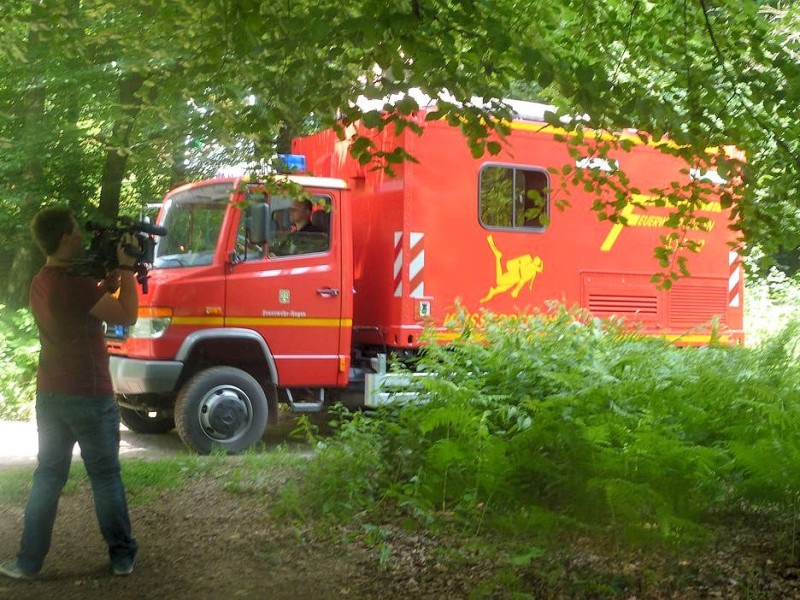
column 300, row 216
column 306, row 234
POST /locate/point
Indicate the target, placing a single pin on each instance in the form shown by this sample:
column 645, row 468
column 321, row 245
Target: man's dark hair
column 50, row 225
column 307, row 204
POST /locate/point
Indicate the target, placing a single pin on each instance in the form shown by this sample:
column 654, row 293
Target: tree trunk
column 283, row 145
column 178, row 172
column 119, row 150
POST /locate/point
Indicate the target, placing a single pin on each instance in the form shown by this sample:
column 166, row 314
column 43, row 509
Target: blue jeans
column 92, row 422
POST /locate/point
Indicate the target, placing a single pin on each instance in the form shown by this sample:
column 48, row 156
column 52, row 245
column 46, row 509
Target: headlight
column 152, row 323
column 149, row 327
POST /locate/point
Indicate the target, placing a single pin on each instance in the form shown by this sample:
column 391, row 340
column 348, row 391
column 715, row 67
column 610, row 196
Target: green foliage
column 105, row 107
column 19, row 355
column 543, row 424
column 350, row 476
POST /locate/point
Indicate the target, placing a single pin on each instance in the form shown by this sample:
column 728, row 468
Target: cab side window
column 301, row 226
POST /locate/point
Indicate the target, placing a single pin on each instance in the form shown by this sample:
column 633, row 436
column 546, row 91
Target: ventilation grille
column 630, row 296
column 618, row 304
column 694, row 304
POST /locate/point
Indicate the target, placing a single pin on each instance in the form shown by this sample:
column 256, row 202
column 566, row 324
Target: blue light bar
column 291, row 163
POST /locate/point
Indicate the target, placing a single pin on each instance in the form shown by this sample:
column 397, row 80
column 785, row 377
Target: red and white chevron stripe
column 416, row 265
column 415, row 268
column 734, row 279
column 398, row 264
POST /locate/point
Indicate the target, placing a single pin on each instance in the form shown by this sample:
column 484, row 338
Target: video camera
column 101, row 255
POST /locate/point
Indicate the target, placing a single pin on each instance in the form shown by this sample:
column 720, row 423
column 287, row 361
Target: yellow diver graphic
column 519, row 271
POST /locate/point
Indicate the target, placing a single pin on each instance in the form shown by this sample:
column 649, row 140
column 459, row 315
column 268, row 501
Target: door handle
column 328, row 292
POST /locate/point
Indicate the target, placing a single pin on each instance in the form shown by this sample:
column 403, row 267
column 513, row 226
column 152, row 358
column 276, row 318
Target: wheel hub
column 225, row 413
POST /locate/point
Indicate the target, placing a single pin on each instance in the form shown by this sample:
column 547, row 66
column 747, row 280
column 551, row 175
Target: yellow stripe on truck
column 205, row 321
column 262, row 322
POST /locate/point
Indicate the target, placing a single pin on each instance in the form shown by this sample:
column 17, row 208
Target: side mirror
column 258, row 221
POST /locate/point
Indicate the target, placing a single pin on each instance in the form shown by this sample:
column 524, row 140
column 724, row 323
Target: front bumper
column 131, row 376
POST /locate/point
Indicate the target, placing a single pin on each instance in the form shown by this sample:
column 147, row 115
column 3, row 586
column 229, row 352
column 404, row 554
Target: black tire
column 141, row 422
column 221, row 407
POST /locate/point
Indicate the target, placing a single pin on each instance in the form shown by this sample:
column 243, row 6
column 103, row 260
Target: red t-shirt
column 73, row 358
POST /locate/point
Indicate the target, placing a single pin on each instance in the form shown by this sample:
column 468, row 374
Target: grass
column 577, row 424
column 15, row 483
column 143, row 479
column 527, row 548
column 770, row 304
column 146, row 479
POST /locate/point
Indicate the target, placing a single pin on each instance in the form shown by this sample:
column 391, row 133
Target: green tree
column 105, row 105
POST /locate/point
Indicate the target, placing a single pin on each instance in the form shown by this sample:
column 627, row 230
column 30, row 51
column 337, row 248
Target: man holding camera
column 74, row 396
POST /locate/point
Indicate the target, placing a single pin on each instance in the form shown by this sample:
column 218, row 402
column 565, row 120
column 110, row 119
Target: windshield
column 193, row 219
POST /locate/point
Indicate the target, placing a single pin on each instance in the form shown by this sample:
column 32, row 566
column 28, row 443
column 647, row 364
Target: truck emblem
column 519, row 271
column 283, row 296
column 424, row 309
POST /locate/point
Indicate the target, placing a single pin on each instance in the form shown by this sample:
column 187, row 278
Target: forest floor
column 205, row 540
column 202, row 541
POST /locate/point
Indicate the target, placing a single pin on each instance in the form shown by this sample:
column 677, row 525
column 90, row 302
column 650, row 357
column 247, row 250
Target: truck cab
column 242, row 309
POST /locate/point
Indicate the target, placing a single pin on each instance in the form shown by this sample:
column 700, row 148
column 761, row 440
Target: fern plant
column 561, row 421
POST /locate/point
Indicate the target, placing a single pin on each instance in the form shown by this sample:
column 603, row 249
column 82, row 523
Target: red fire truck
column 242, row 312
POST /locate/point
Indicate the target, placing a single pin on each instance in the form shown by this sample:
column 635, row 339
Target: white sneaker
column 123, row 568
column 12, row 570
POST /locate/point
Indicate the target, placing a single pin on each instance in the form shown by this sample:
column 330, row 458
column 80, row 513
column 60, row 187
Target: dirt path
column 190, row 548
column 18, row 444
column 204, row 542
column 197, row 542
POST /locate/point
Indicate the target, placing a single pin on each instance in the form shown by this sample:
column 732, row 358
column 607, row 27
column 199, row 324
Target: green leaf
column 407, row 105
column 494, row 148
column 372, row 119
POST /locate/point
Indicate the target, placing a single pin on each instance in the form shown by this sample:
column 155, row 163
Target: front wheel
column 221, row 407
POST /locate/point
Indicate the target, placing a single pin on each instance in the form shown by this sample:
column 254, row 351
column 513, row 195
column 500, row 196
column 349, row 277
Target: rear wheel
column 221, row 407
column 142, row 421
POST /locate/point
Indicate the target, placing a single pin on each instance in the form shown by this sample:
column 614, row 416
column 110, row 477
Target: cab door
column 290, row 291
